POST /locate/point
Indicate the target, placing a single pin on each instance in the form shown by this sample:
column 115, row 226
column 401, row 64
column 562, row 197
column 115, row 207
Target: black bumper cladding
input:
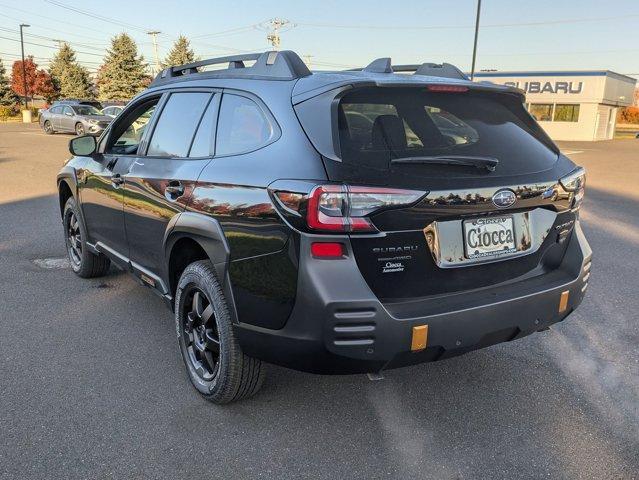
column 338, row 326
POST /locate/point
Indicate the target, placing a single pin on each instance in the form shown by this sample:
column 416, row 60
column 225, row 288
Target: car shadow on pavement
column 108, row 372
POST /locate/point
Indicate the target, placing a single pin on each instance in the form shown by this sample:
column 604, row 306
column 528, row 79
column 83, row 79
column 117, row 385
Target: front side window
column 242, row 126
column 566, row 112
column 176, row 126
column 127, row 134
column 542, row 112
column 68, row 111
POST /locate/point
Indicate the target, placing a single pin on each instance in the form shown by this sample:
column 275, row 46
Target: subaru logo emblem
column 504, row 198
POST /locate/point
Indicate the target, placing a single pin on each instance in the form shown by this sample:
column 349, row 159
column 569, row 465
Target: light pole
column 472, row 68
column 24, row 70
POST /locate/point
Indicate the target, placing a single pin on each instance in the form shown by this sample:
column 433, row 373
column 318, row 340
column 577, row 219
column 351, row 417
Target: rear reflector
column 327, row 249
column 563, row 301
column 420, row 338
column 447, row 88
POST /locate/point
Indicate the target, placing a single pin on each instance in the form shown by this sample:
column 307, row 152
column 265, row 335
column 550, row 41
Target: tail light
column 575, row 182
column 344, row 208
column 447, row 88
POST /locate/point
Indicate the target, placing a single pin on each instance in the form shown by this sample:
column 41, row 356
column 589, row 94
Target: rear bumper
column 338, row 326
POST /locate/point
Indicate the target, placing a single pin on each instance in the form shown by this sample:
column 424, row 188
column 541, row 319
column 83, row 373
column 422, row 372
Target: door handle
column 174, row 189
column 117, row 180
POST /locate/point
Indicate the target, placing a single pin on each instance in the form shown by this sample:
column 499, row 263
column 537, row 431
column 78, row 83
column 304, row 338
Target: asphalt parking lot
column 92, row 384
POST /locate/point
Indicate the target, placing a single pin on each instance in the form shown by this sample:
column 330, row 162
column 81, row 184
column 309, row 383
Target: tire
column 84, row 263
column 79, row 129
column 215, row 363
column 48, row 128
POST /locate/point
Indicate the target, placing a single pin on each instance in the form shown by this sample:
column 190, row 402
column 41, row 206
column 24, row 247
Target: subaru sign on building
column 572, row 105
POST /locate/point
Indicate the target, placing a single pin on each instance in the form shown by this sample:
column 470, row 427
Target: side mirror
column 68, row 114
column 83, row 146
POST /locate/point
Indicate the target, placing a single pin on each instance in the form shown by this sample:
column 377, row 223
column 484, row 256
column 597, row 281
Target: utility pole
column 24, row 70
column 154, row 34
column 274, row 35
column 472, row 68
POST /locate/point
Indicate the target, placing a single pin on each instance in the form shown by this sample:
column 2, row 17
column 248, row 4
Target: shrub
column 7, row 111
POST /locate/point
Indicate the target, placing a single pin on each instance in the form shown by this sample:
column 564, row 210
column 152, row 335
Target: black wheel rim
column 199, row 331
column 74, row 239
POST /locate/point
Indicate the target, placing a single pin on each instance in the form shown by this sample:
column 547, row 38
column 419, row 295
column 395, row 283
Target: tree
column 38, row 81
column 180, row 53
column 123, row 73
column 70, row 79
column 8, row 97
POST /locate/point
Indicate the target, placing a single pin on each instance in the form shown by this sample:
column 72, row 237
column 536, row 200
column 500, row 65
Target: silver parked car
column 79, row 119
column 112, row 111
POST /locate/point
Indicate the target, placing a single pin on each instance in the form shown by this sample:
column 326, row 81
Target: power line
column 447, row 27
column 48, row 46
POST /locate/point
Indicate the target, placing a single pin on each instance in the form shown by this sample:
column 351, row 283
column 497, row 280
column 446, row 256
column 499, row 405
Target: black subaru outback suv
column 331, row 222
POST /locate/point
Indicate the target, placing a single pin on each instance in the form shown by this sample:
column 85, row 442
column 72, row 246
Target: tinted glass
column 55, row 110
column 542, row 112
column 86, row 110
column 176, row 126
column 128, row 133
column 566, row 113
column 242, row 126
column 203, row 142
column 377, row 125
column 68, row 111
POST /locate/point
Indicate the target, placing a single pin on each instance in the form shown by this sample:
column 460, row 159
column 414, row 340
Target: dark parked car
column 78, row 118
column 334, row 222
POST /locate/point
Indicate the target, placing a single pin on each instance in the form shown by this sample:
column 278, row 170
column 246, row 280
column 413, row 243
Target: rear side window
column 242, row 126
column 377, row 125
column 176, row 126
column 203, row 141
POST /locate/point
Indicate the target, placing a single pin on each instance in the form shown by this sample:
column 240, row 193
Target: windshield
column 378, row 125
column 86, row 110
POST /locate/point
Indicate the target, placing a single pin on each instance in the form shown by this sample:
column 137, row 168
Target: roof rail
column 285, row 65
column 383, row 65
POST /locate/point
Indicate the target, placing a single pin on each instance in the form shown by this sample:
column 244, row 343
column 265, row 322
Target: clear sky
column 515, row 34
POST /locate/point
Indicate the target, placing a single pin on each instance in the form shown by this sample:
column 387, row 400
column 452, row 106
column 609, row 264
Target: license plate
column 489, row 237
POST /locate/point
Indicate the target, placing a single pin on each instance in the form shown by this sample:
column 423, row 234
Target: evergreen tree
column 180, row 53
column 70, row 79
column 8, row 97
column 123, row 73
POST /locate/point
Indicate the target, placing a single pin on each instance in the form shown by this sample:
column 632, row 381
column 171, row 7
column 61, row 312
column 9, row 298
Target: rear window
column 377, row 125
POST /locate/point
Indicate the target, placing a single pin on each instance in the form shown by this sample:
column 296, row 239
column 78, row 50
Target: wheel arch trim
column 207, row 232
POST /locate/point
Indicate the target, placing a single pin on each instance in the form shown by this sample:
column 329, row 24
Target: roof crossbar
column 446, row 70
column 284, row 65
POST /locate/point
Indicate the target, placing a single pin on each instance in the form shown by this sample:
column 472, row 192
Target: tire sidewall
column 72, row 207
column 48, row 129
column 79, row 126
column 196, row 276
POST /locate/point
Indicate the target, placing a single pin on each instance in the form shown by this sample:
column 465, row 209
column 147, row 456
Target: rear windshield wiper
column 489, row 163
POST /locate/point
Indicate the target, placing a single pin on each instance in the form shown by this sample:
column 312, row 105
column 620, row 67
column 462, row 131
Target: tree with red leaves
column 38, row 81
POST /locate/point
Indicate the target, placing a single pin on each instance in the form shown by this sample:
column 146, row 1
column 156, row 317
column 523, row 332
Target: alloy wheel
column 47, row 127
column 74, row 239
column 79, row 129
column 201, row 339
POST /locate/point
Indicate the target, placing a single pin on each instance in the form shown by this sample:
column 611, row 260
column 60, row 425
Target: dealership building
column 571, row 105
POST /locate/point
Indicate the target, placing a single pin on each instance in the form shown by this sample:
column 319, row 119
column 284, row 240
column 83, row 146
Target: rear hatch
column 488, row 177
